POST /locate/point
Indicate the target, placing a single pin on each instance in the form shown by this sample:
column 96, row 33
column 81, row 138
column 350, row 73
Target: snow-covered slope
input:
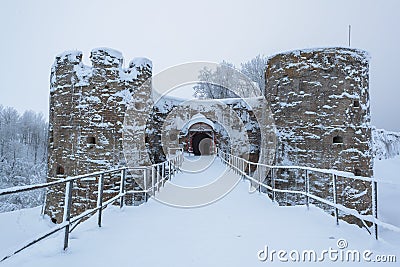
column 229, row 232
column 18, row 226
column 386, row 144
column 387, row 172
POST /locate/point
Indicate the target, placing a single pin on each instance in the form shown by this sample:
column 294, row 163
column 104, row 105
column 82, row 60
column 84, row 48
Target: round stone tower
column 320, row 102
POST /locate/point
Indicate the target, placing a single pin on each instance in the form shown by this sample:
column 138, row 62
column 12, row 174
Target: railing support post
column 241, row 163
column 375, row 205
column 172, row 168
column 243, row 169
column 306, row 189
column 122, row 188
column 334, row 180
column 237, row 165
column 158, row 177
column 145, row 183
column 169, row 170
column 175, row 166
column 67, row 211
column 259, row 177
column 153, row 180
column 100, row 198
column 273, row 183
column 163, row 173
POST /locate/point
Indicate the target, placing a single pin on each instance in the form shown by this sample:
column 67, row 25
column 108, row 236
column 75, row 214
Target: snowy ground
column 229, row 232
column 388, row 173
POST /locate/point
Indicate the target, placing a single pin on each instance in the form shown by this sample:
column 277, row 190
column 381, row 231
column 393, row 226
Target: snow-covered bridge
column 232, row 229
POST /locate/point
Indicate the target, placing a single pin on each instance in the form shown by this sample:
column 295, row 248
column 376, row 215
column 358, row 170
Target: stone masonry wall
column 87, row 108
column 174, row 116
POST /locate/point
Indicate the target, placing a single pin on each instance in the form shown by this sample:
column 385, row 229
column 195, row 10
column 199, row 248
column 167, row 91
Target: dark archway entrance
column 202, row 144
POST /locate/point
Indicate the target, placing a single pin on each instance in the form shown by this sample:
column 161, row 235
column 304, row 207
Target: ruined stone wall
column 320, row 102
column 168, row 119
column 87, row 108
column 319, row 99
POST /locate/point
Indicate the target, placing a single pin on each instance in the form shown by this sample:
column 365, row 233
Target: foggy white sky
column 173, row 32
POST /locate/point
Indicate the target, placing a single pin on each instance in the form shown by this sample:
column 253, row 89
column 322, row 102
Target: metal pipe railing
column 174, row 162
column 237, row 165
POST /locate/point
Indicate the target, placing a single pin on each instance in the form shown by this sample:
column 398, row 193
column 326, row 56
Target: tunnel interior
column 202, row 144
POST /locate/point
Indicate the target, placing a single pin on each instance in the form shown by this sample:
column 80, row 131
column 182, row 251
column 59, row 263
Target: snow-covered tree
column 216, row 84
column 255, row 70
column 226, row 81
column 23, row 156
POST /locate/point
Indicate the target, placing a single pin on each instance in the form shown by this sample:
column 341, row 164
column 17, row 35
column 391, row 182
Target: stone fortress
column 318, row 97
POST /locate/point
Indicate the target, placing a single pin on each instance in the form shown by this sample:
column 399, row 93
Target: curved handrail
column 239, row 165
column 159, row 172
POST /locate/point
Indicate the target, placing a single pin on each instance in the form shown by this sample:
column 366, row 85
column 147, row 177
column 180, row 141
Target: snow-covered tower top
column 106, row 57
column 69, row 57
column 68, row 68
column 140, row 62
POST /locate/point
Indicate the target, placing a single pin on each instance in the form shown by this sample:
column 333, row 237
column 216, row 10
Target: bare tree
column 224, row 82
column 255, row 70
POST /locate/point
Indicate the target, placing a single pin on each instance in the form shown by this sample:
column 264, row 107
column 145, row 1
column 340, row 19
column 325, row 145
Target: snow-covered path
column 229, row 232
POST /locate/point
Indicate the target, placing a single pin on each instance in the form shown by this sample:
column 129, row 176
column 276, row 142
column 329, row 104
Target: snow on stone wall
column 224, row 113
column 320, row 102
column 87, row 108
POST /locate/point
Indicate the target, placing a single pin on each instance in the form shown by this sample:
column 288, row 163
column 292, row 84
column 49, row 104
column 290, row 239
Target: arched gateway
column 198, row 136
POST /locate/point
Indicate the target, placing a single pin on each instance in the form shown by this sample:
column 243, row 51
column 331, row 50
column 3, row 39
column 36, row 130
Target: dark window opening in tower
column 338, row 139
column 60, row 170
column 91, row 140
column 202, row 144
column 356, row 103
column 51, row 137
column 357, row 172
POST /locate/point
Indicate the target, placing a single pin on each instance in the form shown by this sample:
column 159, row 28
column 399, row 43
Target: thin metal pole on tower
column 349, row 35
